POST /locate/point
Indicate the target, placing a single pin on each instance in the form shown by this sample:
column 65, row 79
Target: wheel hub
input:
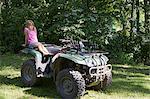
column 67, row 85
column 28, row 74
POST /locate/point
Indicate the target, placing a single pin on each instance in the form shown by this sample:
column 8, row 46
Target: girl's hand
column 24, row 45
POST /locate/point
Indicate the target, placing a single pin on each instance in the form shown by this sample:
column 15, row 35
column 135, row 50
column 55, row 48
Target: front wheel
column 105, row 83
column 28, row 73
column 70, row 84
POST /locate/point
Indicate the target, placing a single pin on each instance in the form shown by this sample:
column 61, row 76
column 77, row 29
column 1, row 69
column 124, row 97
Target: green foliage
column 120, row 48
column 143, row 55
column 12, row 27
column 112, row 24
column 122, row 58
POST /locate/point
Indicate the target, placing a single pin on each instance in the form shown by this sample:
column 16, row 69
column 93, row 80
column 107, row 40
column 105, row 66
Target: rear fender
column 38, row 60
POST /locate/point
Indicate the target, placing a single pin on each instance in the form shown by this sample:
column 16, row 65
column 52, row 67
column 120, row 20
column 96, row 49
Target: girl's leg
column 40, row 49
column 43, row 49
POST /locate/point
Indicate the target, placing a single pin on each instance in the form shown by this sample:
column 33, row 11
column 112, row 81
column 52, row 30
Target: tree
column 147, row 18
column 89, row 19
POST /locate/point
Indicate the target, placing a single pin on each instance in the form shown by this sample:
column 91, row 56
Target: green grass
column 129, row 82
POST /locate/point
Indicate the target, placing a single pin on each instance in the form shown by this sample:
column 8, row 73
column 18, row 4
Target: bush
column 143, row 56
column 120, row 48
column 122, row 58
column 12, row 28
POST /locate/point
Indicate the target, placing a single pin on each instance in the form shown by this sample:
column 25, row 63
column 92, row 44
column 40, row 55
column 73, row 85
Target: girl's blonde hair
column 29, row 22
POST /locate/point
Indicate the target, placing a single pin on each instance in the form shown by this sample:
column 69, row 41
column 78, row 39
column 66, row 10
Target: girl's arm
column 35, row 30
column 26, row 36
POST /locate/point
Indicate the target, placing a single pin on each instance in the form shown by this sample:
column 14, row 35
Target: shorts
column 34, row 45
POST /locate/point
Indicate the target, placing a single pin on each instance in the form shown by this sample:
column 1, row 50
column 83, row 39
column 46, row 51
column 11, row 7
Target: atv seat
column 36, row 54
column 53, row 50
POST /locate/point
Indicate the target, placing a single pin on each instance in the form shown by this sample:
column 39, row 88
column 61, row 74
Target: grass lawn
column 129, row 82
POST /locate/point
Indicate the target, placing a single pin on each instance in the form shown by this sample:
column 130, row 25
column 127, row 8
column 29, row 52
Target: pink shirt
column 31, row 35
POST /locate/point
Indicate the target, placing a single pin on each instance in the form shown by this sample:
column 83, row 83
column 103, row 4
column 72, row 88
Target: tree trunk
column 137, row 16
column 132, row 19
column 147, row 18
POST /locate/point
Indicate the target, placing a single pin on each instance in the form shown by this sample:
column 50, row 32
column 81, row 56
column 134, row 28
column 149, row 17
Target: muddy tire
column 70, row 84
column 28, row 73
column 105, row 83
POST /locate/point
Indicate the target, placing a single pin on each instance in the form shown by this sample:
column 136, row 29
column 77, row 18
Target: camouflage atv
column 72, row 67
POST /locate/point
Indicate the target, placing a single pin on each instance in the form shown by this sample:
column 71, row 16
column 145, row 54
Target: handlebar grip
column 64, row 40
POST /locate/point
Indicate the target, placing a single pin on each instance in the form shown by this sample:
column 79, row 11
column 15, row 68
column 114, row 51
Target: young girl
column 31, row 39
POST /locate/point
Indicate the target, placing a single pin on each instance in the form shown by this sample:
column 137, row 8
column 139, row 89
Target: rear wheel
column 70, row 84
column 28, row 73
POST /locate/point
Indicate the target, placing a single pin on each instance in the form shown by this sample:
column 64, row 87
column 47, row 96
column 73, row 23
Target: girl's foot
column 45, row 54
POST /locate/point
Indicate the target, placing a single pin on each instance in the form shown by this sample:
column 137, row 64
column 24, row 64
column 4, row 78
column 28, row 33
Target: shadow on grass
column 129, row 83
column 10, row 81
column 45, row 87
column 12, row 60
column 125, row 75
column 121, row 86
column 133, row 70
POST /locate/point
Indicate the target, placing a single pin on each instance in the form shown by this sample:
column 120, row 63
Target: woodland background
column 121, row 27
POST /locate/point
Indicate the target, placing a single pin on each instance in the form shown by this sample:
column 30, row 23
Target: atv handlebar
column 65, row 41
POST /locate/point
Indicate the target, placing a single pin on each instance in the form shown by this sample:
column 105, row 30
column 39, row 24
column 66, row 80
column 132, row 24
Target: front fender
column 88, row 59
column 75, row 58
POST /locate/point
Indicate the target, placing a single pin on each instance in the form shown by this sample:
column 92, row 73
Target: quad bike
column 72, row 67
